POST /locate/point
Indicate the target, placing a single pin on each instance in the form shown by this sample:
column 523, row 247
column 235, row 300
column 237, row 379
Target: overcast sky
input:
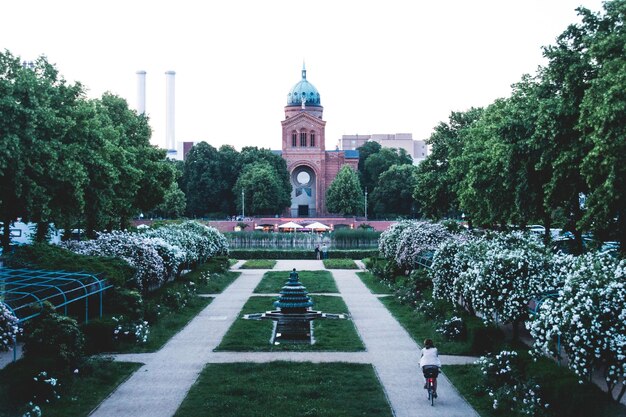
column 380, row 66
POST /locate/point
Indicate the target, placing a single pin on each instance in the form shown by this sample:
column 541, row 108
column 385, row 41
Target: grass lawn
column 80, row 394
column 258, row 264
column 374, row 284
column 339, row 264
column 280, row 389
column 166, row 327
column 212, row 283
column 314, row 281
column 329, row 334
column 421, row 327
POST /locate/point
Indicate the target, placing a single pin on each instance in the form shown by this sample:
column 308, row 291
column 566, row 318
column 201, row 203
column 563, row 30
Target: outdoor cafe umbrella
column 290, row 225
column 317, row 226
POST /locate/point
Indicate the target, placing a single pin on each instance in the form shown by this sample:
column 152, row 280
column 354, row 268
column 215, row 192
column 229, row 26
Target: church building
column 311, row 167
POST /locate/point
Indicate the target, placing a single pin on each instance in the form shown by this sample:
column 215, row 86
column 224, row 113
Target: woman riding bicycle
column 430, row 363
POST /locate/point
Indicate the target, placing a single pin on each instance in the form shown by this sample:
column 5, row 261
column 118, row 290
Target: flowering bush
column 53, row 336
column 390, row 238
column 157, row 254
column 45, row 388
column 450, row 261
column 130, row 331
column 9, row 328
column 32, row 410
column 589, row 316
column 139, row 251
column 453, row 328
column 494, row 276
column 504, row 382
column 197, row 241
column 178, row 298
column 417, row 239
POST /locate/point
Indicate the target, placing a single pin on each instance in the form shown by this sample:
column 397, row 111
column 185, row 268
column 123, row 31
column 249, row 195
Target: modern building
column 311, row 167
column 416, row 148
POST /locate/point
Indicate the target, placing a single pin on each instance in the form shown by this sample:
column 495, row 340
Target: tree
column 264, row 192
column 365, row 151
column 564, row 81
column 202, row 180
column 435, row 181
column 482, row 188
column 344, row 194
column 174, row 203
column 144, row 172
column 380, row 162
column 394, row 192
column 603, row 112
column 252, row 154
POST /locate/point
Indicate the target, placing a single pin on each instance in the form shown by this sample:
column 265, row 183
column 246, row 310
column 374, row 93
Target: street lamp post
column 365, row 204
column 243, row 205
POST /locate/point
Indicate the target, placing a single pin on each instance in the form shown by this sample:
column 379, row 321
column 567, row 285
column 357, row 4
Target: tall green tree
column 252, row 154
column 435, row 182
column 173, row 205
column 202, row 180
column 264, row 192
column 368, row 149
column 564, row 81
column 483, row 192
column 394, row 192
column 603, row 112
column 344, row 196
column 380, row 162
column 14, row 126
column 144, row 172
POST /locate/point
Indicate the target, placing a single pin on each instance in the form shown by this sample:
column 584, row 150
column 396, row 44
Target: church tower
column 311, row 167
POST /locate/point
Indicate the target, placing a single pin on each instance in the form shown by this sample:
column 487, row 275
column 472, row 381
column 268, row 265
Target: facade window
column 294, row 139
column 312, row 141
column 302, row 138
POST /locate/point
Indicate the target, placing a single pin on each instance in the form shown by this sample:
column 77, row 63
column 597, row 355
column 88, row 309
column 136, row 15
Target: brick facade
column 304, row 150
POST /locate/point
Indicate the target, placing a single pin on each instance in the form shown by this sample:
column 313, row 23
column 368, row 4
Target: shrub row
column 299, row 254
column 44, row 256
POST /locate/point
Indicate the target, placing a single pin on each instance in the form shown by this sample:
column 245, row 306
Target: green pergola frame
column 21, row 288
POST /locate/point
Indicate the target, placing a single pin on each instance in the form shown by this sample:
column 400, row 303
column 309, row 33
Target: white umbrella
column 317, row 226
column 290, row 225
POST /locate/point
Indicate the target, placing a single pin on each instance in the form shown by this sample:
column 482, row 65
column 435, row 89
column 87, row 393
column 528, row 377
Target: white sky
column 380, row 66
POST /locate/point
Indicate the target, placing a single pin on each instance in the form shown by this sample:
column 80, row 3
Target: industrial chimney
column 141, row 92
column 170, row 140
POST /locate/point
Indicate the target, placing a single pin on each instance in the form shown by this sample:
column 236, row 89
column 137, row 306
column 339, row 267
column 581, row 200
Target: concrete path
column 158, row 388
column 395, row 355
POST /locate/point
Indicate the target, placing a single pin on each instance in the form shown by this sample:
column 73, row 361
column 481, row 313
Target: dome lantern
column 303, row 93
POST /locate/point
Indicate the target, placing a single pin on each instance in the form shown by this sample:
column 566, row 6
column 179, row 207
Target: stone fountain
column 294, row 316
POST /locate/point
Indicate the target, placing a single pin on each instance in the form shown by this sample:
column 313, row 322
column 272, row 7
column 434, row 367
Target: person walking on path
column 317, row 252
column 324, row 251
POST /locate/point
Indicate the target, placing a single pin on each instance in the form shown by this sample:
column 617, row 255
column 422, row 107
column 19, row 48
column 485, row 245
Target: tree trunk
column 547, row 223
column 41, row 236
column 515, row 334
column 6, row 235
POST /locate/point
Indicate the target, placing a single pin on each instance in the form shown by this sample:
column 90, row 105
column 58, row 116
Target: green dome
column 306, row 90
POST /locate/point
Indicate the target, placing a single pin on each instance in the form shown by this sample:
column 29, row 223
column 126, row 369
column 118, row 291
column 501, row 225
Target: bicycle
column 430, row 373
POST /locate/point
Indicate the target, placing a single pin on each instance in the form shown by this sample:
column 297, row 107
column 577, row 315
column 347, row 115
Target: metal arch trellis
column 21, row 288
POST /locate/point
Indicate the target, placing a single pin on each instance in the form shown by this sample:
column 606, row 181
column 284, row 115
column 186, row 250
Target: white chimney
column 170, row 140
column 141, row 92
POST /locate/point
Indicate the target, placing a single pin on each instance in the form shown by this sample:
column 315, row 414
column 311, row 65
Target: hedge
column 44, row 256
column 299, row 254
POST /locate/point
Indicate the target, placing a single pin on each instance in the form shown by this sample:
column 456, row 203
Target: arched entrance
column 303, row 193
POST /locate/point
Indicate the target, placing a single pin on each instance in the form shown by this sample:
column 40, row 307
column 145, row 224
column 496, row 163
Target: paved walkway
column 158, row 388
